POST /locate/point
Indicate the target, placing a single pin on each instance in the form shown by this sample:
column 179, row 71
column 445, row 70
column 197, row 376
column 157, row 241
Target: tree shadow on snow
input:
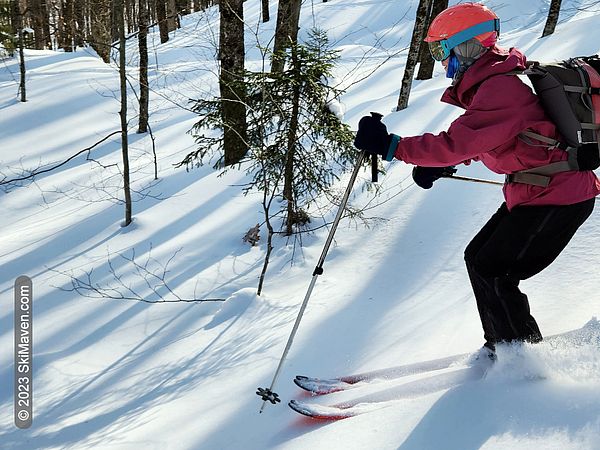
column 96, row 410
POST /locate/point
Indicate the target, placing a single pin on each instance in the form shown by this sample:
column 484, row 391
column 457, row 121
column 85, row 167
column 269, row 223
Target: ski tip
column 299, row 408
column 318, row 412
column 305, row 384
column 297, row 382
column 316, row 386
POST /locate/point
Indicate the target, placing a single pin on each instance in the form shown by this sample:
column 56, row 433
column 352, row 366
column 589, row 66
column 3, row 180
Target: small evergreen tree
column 297, row 145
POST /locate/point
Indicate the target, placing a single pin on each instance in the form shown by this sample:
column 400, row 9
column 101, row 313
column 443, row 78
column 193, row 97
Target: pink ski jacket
column 498, row 107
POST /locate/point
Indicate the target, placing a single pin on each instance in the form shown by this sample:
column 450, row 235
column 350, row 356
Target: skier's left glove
column 425, row 176
column 373, row 137
column 588, row 157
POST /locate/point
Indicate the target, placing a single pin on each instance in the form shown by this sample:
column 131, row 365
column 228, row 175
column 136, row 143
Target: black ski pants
column 513, row 246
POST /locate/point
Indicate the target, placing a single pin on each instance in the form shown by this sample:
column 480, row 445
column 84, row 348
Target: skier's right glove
column 425, row 176
column 372, row 137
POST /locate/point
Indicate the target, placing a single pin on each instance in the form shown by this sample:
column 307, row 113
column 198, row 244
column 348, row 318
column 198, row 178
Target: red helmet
column 461, row 17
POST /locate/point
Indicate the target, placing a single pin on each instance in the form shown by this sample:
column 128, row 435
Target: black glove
column 588, row 156
column 425, row 176
column 373, row 137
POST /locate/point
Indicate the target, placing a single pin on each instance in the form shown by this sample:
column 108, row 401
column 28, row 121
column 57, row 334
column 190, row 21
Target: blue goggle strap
column 471, row 32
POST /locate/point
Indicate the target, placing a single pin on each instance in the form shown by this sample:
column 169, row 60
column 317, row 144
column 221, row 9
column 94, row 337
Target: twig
column 49, row 169
column 86, row 287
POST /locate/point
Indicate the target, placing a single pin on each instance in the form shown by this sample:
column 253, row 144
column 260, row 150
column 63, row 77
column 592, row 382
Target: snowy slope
column 125, row 374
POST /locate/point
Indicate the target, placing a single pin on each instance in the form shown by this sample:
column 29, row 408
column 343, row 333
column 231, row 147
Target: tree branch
column 56, row 166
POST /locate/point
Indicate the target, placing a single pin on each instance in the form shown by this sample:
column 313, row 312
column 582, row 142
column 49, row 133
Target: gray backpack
column 569, row 91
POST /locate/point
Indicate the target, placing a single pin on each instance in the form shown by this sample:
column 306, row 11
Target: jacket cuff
column 392, row 148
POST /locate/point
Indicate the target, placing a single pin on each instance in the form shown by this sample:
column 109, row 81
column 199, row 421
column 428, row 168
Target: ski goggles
column 440, row 50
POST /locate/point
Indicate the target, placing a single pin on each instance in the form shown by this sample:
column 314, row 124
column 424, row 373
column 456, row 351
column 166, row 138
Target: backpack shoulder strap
column 531, row 68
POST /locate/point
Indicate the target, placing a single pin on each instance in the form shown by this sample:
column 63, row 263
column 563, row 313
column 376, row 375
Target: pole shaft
column 317, row 272
column 341, row 209
column 474, row 180
column 292, row 335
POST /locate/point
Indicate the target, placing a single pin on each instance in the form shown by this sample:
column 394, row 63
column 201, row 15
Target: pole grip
column 374, row 168
column 374, row 165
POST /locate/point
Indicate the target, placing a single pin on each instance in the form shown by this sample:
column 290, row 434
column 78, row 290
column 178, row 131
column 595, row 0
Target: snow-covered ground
column 124, row 374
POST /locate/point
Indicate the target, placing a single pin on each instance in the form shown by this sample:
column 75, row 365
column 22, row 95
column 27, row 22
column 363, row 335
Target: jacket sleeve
column 494, row 117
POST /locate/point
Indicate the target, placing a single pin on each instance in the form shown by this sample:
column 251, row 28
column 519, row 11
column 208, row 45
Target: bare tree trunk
column 286, row 32
column 183, row 7
column 114, row 25
column 426, row 62
column 17, row 23
column 552, row 20
column 35, row 12
column 119, row 8
column 59, row 25
column 80, row 24
column 270, row 232
column 15, row 17
column 265, row 11
column 288, row 177
column 22, row 67
column 413, row 53
column 152, row 11
column 68, row 37
column 233, row 92
column 101, row 28
column 45, row 19
column 143, row 48
column 129, row 17
column 172, row 21
column 161, row 16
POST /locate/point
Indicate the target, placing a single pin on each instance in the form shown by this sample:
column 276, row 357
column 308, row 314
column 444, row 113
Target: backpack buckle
column 533, row 179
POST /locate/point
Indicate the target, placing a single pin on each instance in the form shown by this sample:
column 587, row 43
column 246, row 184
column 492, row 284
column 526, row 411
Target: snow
column 123, row 374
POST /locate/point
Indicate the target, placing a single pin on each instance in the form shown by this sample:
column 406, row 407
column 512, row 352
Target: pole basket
column 268, row 395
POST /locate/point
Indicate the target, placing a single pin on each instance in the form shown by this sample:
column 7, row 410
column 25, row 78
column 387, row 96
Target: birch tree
column 413, row 53
column 426, row 62
column 552, row 19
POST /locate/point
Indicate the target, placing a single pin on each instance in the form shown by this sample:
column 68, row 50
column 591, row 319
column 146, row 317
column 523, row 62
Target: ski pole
column 473, row 180
column 267, row 394
column 374, row 164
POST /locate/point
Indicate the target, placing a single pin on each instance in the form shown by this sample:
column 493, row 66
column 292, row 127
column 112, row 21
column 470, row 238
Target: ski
column 322, row 386
column 386, row 397
column 435, row 376
column 318, row 386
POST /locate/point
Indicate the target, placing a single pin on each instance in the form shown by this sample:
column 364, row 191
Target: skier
column 541, row 213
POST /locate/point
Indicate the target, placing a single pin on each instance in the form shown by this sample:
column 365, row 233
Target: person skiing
column 541, row 213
